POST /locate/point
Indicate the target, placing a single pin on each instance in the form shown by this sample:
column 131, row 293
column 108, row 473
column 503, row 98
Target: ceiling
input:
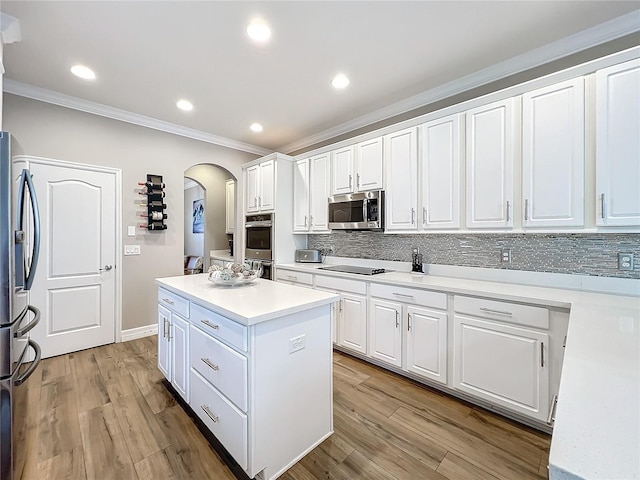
column 148, row 54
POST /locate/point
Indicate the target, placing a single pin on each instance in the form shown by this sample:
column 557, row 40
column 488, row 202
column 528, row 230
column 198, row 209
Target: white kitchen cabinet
column 352, row 323
column 230, row 204
column 426, row 343
column 260, row 187
column 180, row 355
column 164, row 345
column 357, row 168
column 440, row 177
column 342, row 171
column 173, row 341
column 489, row 165
column 311, row 193
column 553, row 155
column 401, row 158
column 301, row 196
column 385, row 331
column 618, row 145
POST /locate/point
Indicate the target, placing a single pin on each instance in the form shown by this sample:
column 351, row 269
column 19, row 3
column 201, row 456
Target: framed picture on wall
column 198, row 216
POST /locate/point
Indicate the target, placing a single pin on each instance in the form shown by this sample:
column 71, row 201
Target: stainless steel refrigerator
column 19, row 355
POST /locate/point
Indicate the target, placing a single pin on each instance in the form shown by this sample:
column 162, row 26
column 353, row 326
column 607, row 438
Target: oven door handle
column 21, row 378
column 22, row 331
column 365, row 204
column 258, row 224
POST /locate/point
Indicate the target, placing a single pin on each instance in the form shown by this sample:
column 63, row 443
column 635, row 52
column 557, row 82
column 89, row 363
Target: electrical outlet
column 296, row 343
column 625, row 261
column 505, row 255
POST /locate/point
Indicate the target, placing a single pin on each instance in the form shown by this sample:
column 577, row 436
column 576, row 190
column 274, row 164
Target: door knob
column 106, row 268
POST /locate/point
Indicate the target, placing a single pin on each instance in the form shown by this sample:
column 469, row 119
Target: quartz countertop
column 259, row 301
column 597, row 428
column 221, row 255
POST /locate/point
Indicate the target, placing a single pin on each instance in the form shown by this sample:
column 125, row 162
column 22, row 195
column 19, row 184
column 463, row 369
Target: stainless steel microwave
column 357, row 211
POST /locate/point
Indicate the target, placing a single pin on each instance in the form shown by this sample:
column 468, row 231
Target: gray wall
column 583, row 254
column 46, row 130
column 193, row 242
column 213, row 181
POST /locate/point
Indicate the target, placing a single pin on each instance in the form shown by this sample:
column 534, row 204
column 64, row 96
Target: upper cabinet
column 489, row 163
column 230, row 202
column 311, row 193
column 618, row 145
column 260, row 187
column 440, row 178
column 401, row 157
column 553, row 155
column 301, row 196
column 357, row 168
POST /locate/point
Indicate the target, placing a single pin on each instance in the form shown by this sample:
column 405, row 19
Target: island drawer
column 225, row 421
column 341, row 284
column 294, row 277
column 230, row 332
column 173, row 302
column 410, row 295
column 223, row 367
column 516, row 313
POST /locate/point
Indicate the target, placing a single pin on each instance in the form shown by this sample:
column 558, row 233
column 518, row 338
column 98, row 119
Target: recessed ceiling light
column 256, row 127
column 185, row 105
column 340, row 81
column 83, row 72
column 259, row 31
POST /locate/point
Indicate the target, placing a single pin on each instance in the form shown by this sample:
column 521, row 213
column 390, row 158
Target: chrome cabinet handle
column 166, row 300
column 602, row 209
column 350, row 178
column 255, row 201
column 292, row 277
column 542, row 354
column 164, row 328
column 552, row 410
column 305, row 220
column 413, row 216
column 209, row 324
column 424, row 215
column 311, row 220
column 408, row 322
column 508, row 208
column 210, row 364
column 526, row 209
column 209, row 413
column 357, row 180
column 340, row 305
column 259, row 202
column 499, row 312
column 402, row 295
column 397, row 323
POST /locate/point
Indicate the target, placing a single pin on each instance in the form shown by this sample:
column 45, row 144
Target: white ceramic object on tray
column 234, row 282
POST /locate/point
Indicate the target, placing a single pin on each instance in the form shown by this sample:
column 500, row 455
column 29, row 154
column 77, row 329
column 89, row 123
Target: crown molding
column 49, row 96
column 607, row 31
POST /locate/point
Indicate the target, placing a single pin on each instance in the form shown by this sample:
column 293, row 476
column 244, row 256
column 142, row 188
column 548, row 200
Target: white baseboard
column 139, row 332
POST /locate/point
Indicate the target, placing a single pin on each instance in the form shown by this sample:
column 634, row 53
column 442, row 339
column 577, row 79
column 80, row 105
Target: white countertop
column 249, row 304
column 221, row 255
column 597, row 429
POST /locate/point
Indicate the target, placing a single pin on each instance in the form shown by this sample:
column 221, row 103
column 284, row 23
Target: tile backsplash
column 580, row 254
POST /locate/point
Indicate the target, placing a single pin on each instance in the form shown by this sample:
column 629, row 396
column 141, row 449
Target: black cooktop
column 352, row 269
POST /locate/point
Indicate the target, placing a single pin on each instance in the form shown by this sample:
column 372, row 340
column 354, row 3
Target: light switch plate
column 132, row 250
column 131, row 230
column 625, row 261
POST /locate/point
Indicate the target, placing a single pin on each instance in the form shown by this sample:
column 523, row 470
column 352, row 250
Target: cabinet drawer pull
column 210, row 364
column 166, row 300
column 424, row 215
column 499, row 312
column 292, row 277
column 413, row 216
column 209, row 324
column 402, row 295
column 209, row 413
column 305, row 220
column 552, row 410
column 526, row 209
column 357, row 181
column 397, row 323
column 602, row 209
column 508, row 207
column 542, row 354
column 164, row 328
column 350, row 182
column 408, row 322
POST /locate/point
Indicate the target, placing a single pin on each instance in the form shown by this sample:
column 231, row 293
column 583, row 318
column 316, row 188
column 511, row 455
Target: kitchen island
column 253, row 363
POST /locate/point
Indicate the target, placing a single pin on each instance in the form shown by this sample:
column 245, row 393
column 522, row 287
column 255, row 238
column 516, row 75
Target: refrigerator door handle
column 27, row 282
column 21, row 378
column 21, row 331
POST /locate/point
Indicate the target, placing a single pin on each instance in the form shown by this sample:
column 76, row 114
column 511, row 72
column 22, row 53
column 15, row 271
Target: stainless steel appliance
column 259, row 236
column 308, row 256
column 357, row 211
column 17, row 270
column 353, row 269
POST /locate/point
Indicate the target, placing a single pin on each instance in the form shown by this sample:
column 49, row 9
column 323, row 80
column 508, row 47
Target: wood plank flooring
column 104, row 413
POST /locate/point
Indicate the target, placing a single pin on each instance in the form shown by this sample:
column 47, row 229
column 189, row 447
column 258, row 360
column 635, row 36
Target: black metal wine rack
column 155, row 203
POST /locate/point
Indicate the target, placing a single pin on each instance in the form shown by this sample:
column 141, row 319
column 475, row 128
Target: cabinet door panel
column 502, row 364
column 427, row 343
column 618, row 145
column 553, row 155
column 230, row 203
column 319, row 188
column 353, row 323
column 385, row 332
column 401, row 159
column 441, row 173
column 369, row 168
column 342, row 168
column 489, row 160
column 180, row 356
column 251, row 198
column 301, row 196
column 164, row 347
column 266, row 198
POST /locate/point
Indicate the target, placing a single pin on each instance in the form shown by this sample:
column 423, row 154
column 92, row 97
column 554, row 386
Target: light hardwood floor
column 104, row 413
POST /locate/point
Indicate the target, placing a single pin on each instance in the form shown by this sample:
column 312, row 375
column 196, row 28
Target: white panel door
column 427, row 343
column 489, row 161
column 179, row 342
column 252, row 175
column 502, row 364
column 369, row 169
column 164, row 345
column 553, row 155
column 301, row 196
column 441, row 173
column 401, row 159
column 618, row 145
column 319, row 189
column 266, row 197
column 385, row 331
column 353, row 323
column 75, row 283
column 342, row 171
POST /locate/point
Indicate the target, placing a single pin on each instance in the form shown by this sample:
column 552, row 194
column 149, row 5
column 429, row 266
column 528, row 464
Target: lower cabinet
column 173, row 345
column 352, row 323
column 502, row 364
column 427, row 343
column 385, row 331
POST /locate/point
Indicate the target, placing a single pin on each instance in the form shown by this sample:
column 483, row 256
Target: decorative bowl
column 234, row 282
column 232, row 274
